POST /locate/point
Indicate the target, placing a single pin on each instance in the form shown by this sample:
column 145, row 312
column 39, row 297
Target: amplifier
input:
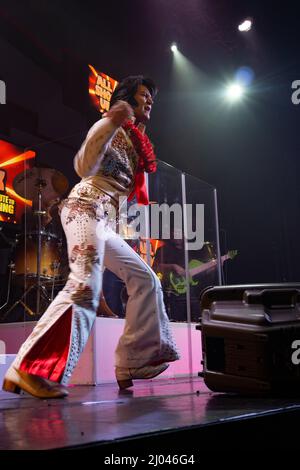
column 251, row 338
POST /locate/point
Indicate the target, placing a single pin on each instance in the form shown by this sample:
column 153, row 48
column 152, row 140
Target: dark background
column 248, row 151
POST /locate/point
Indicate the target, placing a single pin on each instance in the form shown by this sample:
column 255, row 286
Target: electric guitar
column 178, row 284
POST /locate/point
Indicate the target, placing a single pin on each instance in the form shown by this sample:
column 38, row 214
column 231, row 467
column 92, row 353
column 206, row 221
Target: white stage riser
column 96, row 365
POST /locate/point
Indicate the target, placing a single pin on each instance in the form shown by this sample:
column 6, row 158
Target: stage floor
column 105, row 418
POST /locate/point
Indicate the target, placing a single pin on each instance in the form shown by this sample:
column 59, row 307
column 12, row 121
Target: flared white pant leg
column 147, row 337
column 42, row 352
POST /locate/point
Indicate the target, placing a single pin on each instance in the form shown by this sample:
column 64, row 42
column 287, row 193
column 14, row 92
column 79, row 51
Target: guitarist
column 169, row 265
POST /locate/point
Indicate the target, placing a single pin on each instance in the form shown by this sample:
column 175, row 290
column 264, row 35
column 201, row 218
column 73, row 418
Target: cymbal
column 51, row 182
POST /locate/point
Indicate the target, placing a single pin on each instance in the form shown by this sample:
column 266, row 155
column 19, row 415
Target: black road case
column 251, row 338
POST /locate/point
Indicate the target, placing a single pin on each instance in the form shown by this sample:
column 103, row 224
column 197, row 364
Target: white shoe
column 125, row 375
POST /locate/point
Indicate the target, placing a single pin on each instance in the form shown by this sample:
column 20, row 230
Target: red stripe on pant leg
column 48, row 357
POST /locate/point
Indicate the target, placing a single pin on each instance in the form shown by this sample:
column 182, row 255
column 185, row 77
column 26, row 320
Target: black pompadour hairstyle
column 127, row 88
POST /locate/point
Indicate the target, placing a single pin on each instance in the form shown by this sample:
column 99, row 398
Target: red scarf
column 146, row 161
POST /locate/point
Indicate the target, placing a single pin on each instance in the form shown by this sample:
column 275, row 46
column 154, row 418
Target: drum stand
column 22, row 300
column 40, row 288
column 10, row 266
column 39, row 213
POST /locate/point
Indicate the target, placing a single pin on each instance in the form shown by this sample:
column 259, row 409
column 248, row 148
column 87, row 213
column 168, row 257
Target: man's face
column 144, row 104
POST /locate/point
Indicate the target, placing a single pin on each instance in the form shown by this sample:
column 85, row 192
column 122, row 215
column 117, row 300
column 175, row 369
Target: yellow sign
column 101, row 87
column 7, row 205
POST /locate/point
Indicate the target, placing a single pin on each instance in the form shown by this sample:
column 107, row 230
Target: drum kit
column 38, row 249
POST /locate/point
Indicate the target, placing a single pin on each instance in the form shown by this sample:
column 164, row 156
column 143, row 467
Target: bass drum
column 27, row 252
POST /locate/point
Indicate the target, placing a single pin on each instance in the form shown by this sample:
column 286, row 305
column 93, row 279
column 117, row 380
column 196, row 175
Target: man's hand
column 167, row 268
column 178, row 270
column 120, row 112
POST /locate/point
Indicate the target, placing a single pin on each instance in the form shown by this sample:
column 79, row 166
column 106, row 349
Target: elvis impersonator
column 111, row 163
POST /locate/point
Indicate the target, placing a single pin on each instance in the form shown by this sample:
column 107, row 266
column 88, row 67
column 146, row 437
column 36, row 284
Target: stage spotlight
column 234, row 92
column 245, row 26
column 186, row 77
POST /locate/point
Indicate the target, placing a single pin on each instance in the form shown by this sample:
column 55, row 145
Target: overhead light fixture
column 234, row 92
column 246, row 25
column 174, row 47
